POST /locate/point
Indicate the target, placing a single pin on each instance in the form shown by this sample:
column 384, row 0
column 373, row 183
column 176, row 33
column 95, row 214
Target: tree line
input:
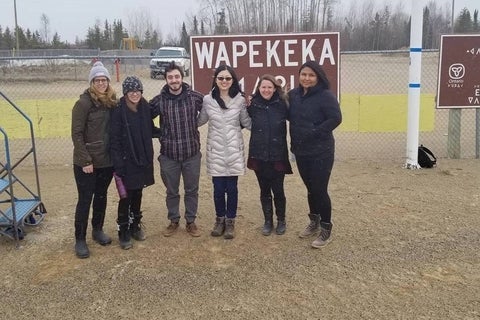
column 362, row 26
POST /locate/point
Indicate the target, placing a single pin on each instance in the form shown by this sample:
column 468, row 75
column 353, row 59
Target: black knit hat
column 132, row 83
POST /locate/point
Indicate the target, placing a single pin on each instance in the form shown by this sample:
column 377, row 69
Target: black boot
column 97, row 229
column 101, row 237
column 124, row 236
column 280, row 205
column 267, row 214
column 136, row 229
column 81, row 249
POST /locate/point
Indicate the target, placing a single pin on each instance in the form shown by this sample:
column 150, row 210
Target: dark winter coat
column 131, row 146
column 268, row 138
column 313, row 117
column 90, row 129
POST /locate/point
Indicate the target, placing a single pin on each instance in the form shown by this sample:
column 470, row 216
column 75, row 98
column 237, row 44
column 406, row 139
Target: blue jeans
column 225, row 186
column 315, row 173
column 91, row 186
column 171, row 171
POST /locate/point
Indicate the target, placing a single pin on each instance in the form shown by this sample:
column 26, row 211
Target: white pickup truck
column 163, row 56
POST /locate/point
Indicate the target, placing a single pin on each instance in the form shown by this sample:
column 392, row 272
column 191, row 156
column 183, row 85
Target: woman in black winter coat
column 268, row 151
column 313, row 114
column 131, row 151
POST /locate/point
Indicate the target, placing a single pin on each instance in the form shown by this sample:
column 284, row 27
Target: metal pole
column 16, row 25
column 415, row 72
column 454, row 118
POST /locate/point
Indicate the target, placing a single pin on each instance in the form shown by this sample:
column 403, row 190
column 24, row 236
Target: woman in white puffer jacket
column 225, row 111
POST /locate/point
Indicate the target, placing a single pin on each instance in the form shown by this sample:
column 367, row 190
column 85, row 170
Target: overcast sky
column 72, row 18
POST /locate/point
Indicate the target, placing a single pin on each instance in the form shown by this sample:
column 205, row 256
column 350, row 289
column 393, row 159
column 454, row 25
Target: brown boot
column 192, row 229
column 229, row 228
column 171, row 229
column 219, row 227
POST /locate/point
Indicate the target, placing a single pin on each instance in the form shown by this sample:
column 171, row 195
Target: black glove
column 121, row 172
column 156, row 132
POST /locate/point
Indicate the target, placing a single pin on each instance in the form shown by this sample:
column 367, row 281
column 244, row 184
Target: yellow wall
column 361, row 113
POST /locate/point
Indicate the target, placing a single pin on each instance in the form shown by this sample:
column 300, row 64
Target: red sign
column 251, row 56
column 459, row 72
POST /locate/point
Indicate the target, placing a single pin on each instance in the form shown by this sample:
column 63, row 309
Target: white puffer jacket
column 225, row 147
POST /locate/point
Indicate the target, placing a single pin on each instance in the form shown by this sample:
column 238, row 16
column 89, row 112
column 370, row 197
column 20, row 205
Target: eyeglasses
column 224, row 78
column 100, row 80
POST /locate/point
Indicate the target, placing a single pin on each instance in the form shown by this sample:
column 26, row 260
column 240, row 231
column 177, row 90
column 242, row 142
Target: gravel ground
column 405, row 246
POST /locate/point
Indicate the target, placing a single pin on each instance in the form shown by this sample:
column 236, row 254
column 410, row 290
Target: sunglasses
column 224, row 78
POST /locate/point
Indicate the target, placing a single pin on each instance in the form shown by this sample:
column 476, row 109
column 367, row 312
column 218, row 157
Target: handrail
column 10, row 182
column 32, row 136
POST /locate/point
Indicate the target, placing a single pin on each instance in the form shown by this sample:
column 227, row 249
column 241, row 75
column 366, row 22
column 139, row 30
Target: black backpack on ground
column 426, row 159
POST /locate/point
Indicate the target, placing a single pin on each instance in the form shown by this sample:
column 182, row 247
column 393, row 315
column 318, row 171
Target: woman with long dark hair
column 225, row 111
column 132, row 156
column 314, row 113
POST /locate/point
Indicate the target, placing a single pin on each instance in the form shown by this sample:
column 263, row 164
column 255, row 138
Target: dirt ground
column 405, row 246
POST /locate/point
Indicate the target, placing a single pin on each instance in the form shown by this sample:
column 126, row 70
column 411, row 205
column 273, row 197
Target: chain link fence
column 373, row 86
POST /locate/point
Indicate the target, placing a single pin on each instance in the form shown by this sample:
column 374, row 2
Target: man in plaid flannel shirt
column 178, row 107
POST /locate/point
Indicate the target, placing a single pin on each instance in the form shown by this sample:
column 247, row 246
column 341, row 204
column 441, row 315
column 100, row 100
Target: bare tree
column 138, row 22
column 45, row 28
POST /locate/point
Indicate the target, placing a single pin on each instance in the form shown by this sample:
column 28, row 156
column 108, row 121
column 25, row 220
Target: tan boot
column 219, row 227
column 171, row 229
column 325, row 235
column 229, row 228
column 312, row 227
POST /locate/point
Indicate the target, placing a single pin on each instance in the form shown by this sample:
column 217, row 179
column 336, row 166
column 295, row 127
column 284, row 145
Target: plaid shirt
column 180, row 138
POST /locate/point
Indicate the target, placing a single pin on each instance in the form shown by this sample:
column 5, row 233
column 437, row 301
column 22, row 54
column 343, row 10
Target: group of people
column 114, row 138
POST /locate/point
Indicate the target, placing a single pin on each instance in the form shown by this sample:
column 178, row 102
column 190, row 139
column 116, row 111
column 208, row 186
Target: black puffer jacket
column 313, row 117
column 131, row 146
column 268, row 138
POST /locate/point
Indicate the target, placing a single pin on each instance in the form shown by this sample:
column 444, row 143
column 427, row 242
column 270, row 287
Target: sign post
column 459, row 85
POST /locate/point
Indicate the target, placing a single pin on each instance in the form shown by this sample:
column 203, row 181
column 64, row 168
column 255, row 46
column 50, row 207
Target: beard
column 175, row 87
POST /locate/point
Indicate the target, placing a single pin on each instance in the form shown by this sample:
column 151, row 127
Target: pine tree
column 185, row 39
column 464, row 23
column 221, row 26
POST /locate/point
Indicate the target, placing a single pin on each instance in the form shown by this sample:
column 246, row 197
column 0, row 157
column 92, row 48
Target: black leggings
column 132, row 204
column 270, row 181
column 315, row 173
column 91, row 186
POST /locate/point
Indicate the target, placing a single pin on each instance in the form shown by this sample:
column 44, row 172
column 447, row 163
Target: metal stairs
column 20, row 205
